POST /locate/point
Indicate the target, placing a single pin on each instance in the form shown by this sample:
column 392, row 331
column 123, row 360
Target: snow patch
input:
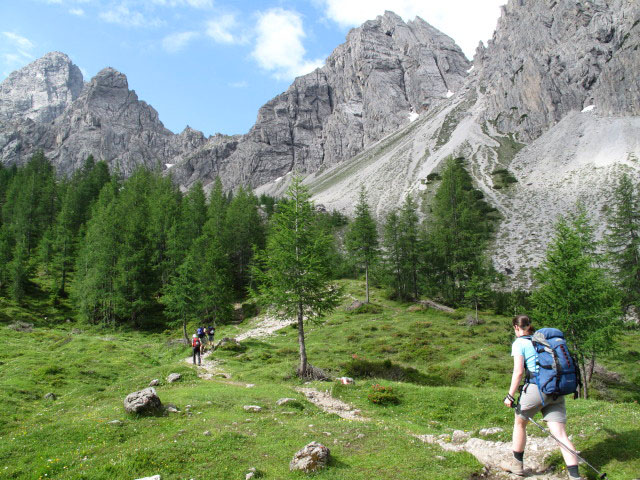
column 413, row 116
column 277, row 179
column 588, row 109
column 169, row 165
column 449, row 94
column 471, row 69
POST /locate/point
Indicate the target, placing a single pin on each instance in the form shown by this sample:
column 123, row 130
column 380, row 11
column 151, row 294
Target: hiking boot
column 512, row 465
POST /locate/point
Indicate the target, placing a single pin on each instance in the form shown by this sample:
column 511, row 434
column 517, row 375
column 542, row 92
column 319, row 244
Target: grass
column 454, row 377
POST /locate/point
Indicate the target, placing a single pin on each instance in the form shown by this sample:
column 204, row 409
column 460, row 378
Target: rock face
column 45, row 105
column 144, row 401
column 312, row 457
column 547, row 59
column 41, row 91
column 368, row 87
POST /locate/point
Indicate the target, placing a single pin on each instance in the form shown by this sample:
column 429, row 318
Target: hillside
column 449, row 376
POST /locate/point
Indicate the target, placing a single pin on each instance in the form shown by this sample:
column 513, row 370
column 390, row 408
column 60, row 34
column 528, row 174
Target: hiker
column 202, row 336
column 195, row 343
column 211, row 331
column 531, row 402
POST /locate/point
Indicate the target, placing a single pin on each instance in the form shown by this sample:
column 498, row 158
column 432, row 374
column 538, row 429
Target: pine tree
column 362, row 237
column 293, row 279
column 575, row 295
column 458, row 232
column 393, row 253
column 623, row 240
column 409, row 225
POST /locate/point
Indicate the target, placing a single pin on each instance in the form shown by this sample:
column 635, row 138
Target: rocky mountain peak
column 40, row 91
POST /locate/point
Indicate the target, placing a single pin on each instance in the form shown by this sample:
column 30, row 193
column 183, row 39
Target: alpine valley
column 546, row 115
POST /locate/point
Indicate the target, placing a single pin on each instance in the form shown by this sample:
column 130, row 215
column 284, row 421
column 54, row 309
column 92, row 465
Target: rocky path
column 491, row 454
column 329, row 404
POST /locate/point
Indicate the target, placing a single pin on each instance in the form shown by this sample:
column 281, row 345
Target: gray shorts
column 531, row 403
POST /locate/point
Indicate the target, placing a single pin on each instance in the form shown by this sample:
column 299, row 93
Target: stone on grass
column 155, row 477
column 312, row 457
column 171, row 408
column 285, row 401
column 154, row 383
column 252, row 473
column 144, row 401
column 490, row 431
column 115, row 422
column 50, row 396
column 252, row 408
column 20, row 326
column 173, row 377
column 355, row 305
column 207, row 433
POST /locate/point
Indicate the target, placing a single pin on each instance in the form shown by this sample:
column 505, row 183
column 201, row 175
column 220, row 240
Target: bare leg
column 519, row 434
column 558, row 430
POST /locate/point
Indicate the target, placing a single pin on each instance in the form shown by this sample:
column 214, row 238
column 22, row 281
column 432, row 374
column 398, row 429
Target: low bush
column 362, row 368
column 366, row 308
column 381, row 395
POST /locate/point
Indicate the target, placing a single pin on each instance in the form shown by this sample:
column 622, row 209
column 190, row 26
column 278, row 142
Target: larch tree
column 292, row 273
column 362, row 237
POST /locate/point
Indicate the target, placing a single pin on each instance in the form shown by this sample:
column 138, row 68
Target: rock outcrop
column 370, row 85
column 549, row 58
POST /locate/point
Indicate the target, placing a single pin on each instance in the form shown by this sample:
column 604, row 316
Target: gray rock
column 155, row 477
column 459, row 436
column 286, row 401
column 312, row 457
column 50, row 396
column 21, row 327
column 207, row 433
column 154, row 383
column 367, row 88
column 545, row 61
column 173, row 377
column 144, row 401
column 490, row 431
column 115, row 422
column 252, row 408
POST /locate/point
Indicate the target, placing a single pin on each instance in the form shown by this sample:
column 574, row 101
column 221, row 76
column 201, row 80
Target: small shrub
column 381, row 395
column 362, row 368
column 366, row 308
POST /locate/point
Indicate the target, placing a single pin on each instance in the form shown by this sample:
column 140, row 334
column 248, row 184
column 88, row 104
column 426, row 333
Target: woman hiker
column 553, row 411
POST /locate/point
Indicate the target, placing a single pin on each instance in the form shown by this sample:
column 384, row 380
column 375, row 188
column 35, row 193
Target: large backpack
column 558, row 373
column 196, row 343
column 200, row 331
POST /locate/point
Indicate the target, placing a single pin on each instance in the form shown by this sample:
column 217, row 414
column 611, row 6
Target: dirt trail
column 210, row 367
column 491, row 454
column 329, row 404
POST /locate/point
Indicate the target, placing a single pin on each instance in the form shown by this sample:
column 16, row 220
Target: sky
column 211, row 64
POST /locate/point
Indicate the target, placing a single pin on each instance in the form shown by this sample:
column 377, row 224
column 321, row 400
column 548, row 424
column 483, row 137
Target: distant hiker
column 211, row 331
column 196, row 344
column 525, row 358
column 202, row 335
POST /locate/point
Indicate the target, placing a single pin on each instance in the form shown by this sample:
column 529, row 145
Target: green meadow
column 447, row 375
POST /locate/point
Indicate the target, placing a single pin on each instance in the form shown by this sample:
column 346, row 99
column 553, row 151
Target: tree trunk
column 184, row 330
column 366, row 276
column 585, row 380
column 476, row 312
column 592, row 365
column 302, row 370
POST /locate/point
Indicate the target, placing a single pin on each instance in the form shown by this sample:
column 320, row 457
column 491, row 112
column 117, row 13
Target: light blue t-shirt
column 524, row 347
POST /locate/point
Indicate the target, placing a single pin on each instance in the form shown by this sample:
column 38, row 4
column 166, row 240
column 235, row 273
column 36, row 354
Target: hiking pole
column 602, row 476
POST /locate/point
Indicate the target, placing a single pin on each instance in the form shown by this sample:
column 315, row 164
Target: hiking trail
column 330, row 404
column 491, row 454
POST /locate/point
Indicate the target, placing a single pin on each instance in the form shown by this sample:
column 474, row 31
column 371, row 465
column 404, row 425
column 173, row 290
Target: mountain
column 547, row 114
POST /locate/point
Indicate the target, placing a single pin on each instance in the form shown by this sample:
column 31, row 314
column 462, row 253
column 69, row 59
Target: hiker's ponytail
column 524, row 323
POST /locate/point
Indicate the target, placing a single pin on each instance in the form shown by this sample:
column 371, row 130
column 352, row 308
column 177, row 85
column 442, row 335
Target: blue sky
column 211, row 64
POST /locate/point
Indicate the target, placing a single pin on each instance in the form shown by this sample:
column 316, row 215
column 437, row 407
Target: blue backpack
column 200, row 331
column 558, row 373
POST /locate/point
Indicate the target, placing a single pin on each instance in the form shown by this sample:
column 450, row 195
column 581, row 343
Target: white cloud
column 18, row 41
column 202, row 4
column 226, row 29
column 241, row 84
column 466, row 21
column 177, row 41
column 77, row 12
column 121, row 15
column 279, row 47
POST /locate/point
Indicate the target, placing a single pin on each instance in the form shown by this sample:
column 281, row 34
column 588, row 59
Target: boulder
column 154, row 383
column 144, row 401
column 21, row 327
column 312, row 457
column 173, row 377
column 459, row 436
column 155, row 477
column 355, row 305
column 115, row 422
column 50, row 396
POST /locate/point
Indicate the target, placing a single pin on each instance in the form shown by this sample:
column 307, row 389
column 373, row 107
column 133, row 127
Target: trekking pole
column 603, row 476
